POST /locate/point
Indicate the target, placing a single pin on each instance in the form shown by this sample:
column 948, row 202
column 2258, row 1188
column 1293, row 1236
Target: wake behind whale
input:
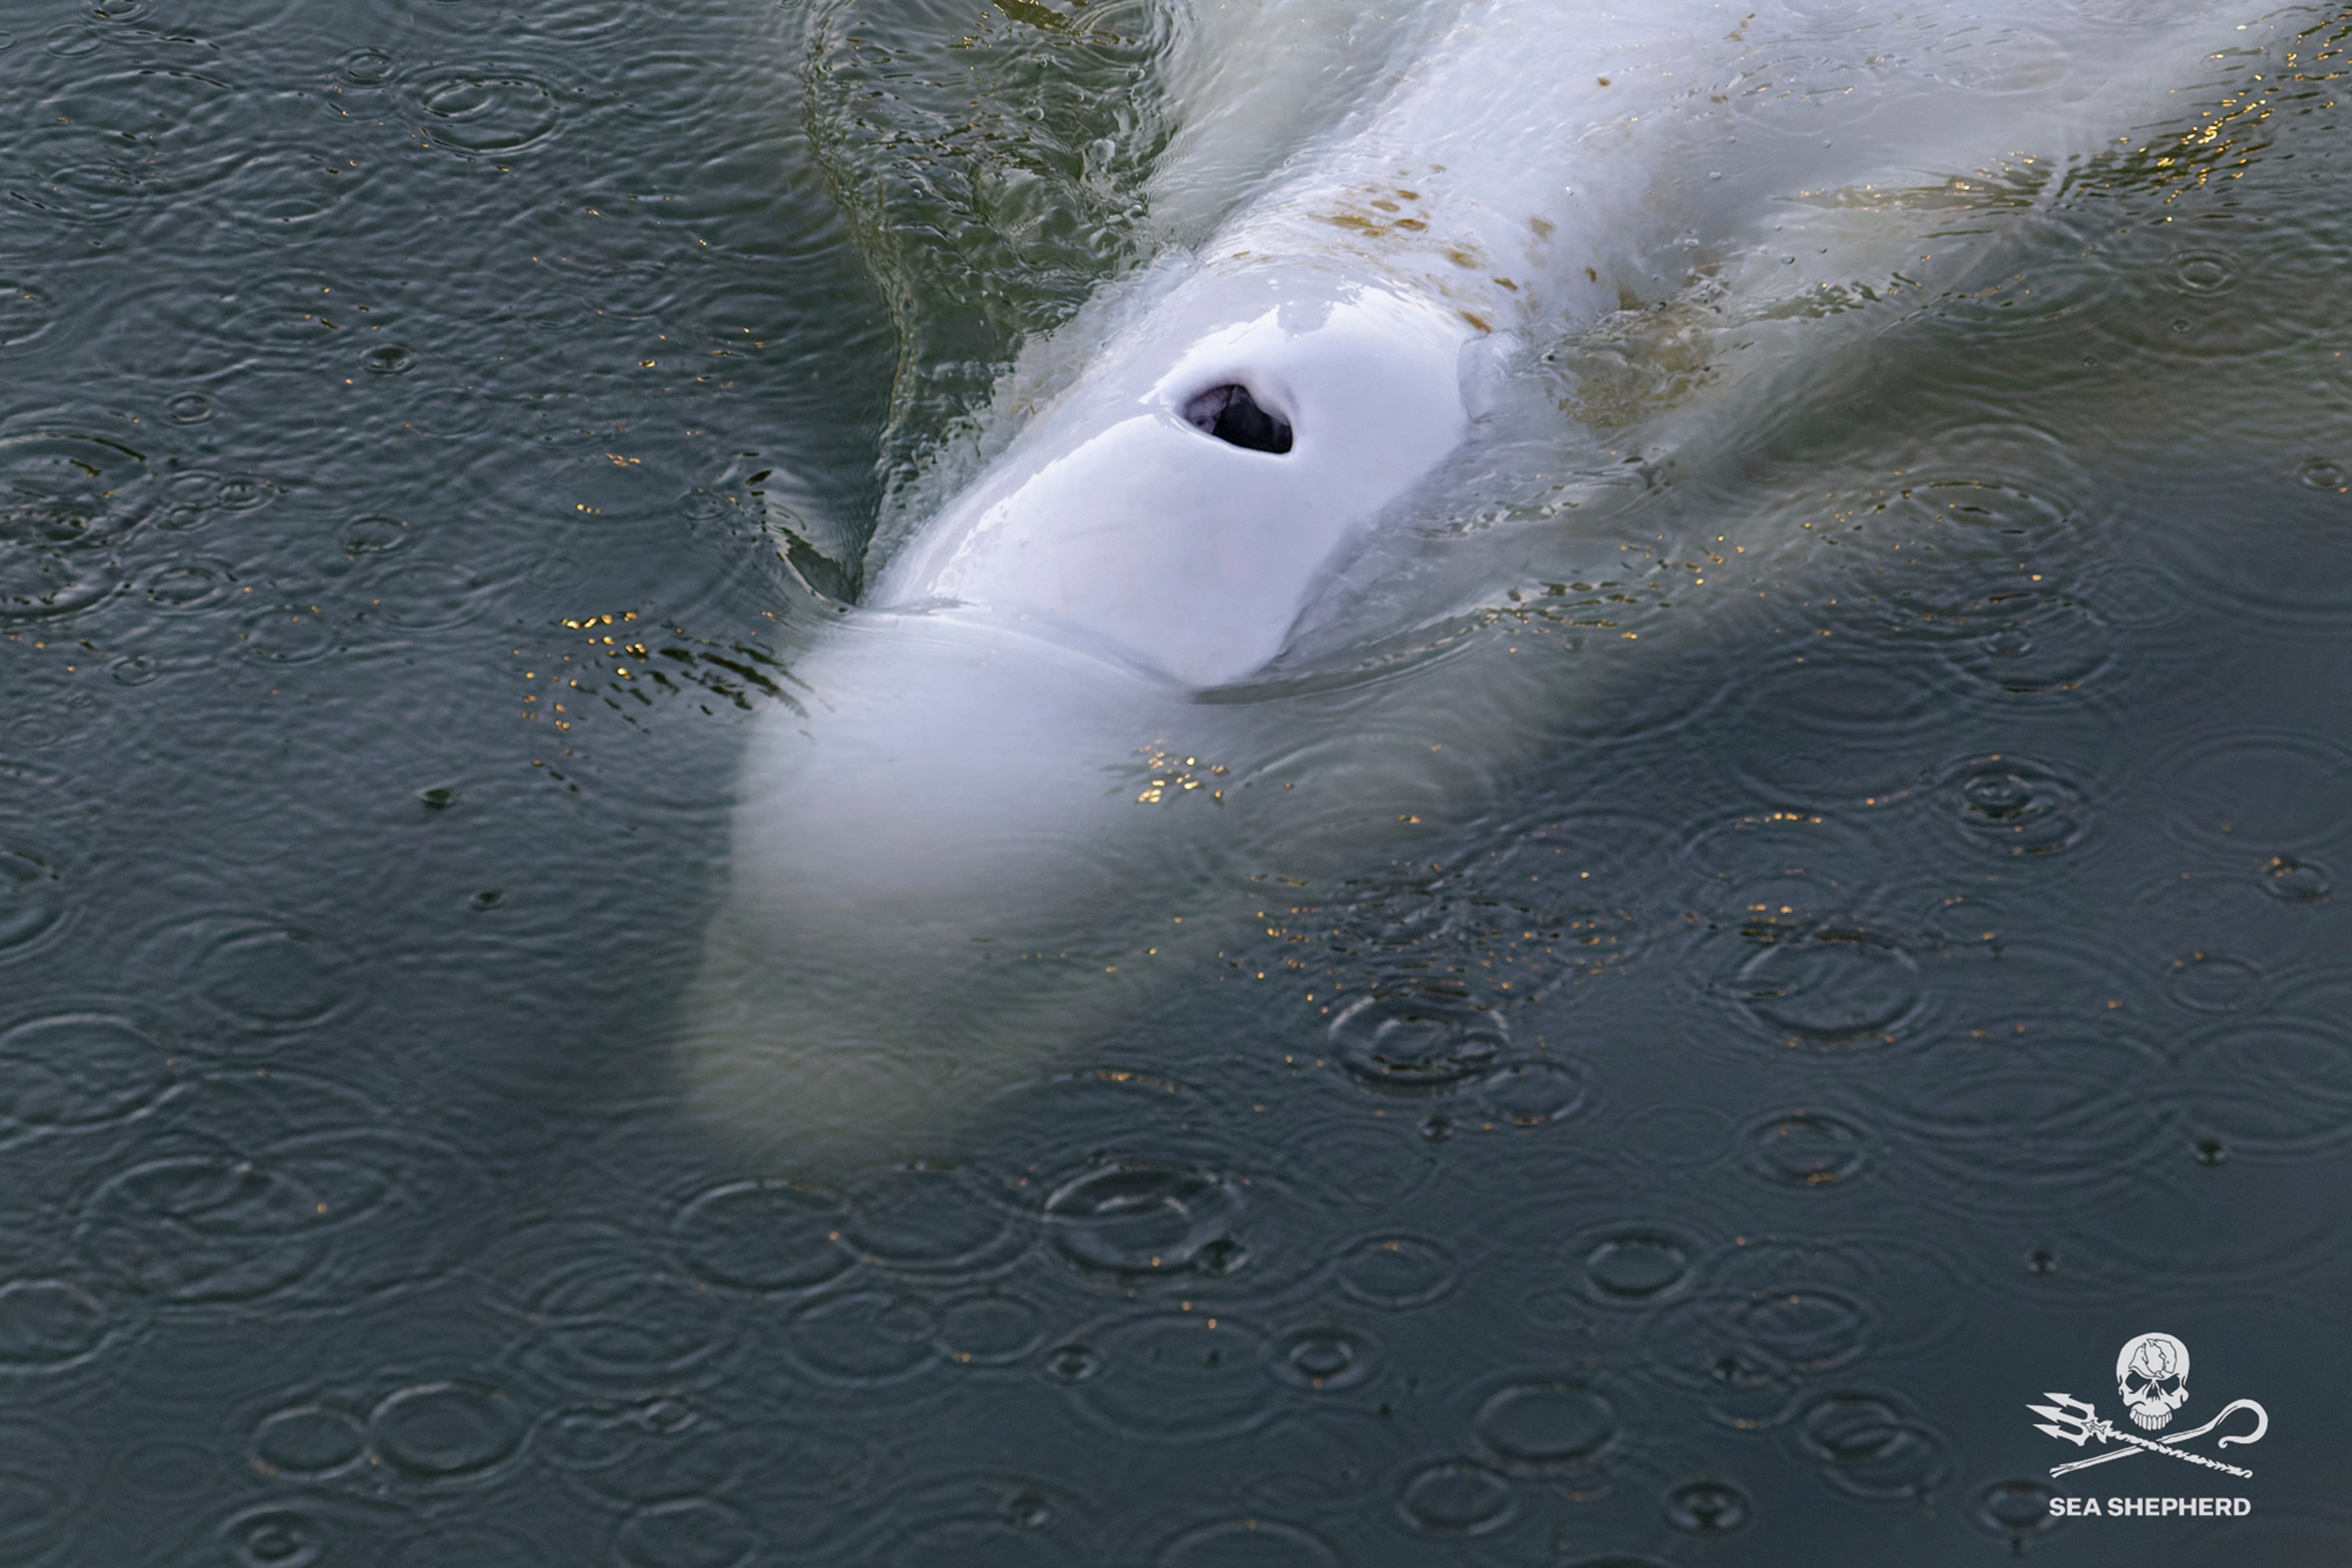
column 1140, row 654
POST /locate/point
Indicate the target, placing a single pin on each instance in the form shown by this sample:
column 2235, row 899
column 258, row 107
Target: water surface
column 1832, row 1029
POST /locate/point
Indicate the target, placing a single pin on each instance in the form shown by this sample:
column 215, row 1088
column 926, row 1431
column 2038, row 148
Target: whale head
column 1179, row 504
column 938, row 873
column 963, row 862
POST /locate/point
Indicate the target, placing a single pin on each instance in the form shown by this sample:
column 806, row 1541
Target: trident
column 2261, row 1425
column 2079, row 1423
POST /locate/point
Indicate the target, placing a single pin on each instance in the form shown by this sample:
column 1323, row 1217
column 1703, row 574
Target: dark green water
column 1923, row 976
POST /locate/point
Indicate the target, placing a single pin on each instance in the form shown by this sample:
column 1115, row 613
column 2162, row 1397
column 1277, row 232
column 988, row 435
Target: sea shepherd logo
column 2152, row 1380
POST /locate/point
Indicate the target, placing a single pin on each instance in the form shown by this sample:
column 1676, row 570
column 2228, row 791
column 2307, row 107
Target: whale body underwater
column 1120, row 670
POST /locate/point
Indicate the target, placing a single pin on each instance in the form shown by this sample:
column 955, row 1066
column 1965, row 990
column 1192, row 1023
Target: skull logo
column 2152, row 1375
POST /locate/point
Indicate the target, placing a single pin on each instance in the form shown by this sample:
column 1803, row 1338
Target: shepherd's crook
column 2261, row 1425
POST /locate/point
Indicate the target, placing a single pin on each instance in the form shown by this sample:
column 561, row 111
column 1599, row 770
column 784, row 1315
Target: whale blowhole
column 1230, row 413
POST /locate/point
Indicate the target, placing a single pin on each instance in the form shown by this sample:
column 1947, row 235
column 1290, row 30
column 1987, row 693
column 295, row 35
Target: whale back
column 1535, row 166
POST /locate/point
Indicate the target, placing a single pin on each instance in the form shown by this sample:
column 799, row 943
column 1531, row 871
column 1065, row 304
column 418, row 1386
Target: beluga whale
column 1115, row 666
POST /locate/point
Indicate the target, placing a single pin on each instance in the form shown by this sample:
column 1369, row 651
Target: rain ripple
column 1001, row 1519
column 1248, row 1543
column 1707, row 1508
column 1777, row 1317
column 2270, row 1087
column 1809, row 1149
column 256, row 977
column 1180, row 1377
column 2012, row 1129
column 309, row 1441
column 1831, row 986
column 2014, row 806
column 1871, row 1447
column 32, row 899
column 1140, row 1217
column 1545, row 1426
column 1455, row 1497
column 492, row 114
column 604, row 1320
column 918, row 1219
column 2269, row 792
column 687, row 1533
column 447, row 1431
column 764, row 1236
column 43, row 1480
column 1397, row 1272
column 49, row 1325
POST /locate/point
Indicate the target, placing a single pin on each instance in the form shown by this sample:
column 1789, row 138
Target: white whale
column 958, row 867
